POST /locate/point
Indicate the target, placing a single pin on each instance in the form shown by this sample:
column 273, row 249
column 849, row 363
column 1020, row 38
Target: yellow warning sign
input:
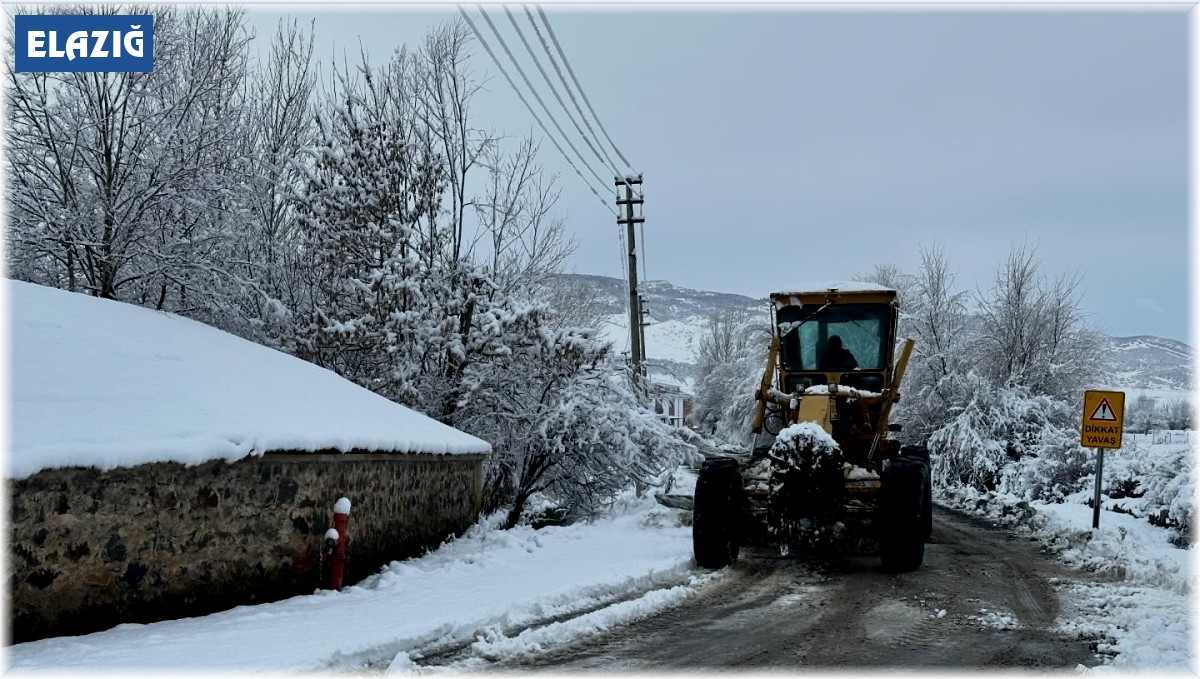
column 1103, row 419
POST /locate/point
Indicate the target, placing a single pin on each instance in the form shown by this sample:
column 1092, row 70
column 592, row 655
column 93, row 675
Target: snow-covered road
column 984, row 599
column 507, row 596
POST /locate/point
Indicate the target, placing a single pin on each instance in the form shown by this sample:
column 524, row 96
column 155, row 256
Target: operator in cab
column 837, row 358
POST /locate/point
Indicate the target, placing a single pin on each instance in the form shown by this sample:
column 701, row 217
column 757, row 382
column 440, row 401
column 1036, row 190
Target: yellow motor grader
column 831, row 474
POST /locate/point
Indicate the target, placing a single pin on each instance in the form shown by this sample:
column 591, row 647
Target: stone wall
column 90, row 549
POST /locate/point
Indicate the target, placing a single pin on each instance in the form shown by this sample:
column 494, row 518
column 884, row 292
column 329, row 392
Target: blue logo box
column 87, row 43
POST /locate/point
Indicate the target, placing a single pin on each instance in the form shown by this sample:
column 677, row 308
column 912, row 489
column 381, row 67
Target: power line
column 479, row 36
column 583, row 94
column 561, row 78
column 533, row 89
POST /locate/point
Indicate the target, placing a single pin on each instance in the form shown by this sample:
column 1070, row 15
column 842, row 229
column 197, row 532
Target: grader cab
column 828, row 475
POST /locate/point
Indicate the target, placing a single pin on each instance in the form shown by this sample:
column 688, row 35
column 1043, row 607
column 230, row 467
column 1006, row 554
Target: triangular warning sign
column 1103, row 412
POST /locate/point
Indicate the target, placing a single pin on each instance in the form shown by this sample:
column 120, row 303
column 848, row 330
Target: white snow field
column 472, row 589
column 106, row 384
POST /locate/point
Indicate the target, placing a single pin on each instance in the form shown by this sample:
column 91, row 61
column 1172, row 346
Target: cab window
column 806, row 331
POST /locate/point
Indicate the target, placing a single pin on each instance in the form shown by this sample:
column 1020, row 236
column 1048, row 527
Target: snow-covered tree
column 997, row 405
column 1141, row 414
column 371, row 228
column 889, row 275
column 280, row 126
column 1179, row 414
column 124, row 185
column 572, row 428
column 732, row 356
column 935, row 316
column 1145, row 414
column 464, row 338
column 370, row 183
column 1033, row 332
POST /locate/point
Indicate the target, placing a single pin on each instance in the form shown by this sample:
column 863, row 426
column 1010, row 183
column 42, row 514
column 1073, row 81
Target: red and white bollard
column 338, row 540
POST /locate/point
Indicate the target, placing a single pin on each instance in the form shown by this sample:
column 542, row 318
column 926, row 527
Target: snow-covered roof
column 106, row 384
column 841, row 286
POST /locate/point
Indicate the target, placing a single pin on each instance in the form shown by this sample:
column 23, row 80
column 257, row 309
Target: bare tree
column 889, row 275
column 1034, row 333
column 937, row 315
column 447, row 88
column 119, row 179
column 526, row 242
column 280, row 126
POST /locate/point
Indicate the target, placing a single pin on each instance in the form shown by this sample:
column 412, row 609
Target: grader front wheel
column 717, row 513
column 904, row 514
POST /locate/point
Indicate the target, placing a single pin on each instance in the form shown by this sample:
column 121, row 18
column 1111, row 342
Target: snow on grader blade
column 828, row 477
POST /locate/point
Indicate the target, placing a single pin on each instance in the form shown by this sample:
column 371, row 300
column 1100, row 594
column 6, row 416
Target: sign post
column 1103, row 424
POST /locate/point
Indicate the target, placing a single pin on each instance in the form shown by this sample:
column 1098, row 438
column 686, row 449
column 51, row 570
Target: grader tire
column 717, row 513
column 922, row 453
column 903, row 514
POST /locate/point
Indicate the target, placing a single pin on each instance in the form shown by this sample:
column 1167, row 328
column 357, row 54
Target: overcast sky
column 786, row 145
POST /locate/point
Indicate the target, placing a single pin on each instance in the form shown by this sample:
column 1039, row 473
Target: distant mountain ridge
column 677, row 317
column 1149, row 362
column 666, row 301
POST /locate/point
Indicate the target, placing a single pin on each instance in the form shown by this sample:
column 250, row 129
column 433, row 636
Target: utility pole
column 635, row 305
column 644, row 311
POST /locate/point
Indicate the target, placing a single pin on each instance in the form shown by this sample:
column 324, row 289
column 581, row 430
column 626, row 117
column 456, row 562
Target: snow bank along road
column 622, row 593
column 477, row 591
column 983, row 599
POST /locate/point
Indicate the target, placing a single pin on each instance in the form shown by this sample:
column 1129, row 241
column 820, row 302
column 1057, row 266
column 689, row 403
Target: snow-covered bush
column 996, row 428
column 1169, row 492
column 566, row 423
column 1155, row 481
column 1058, row 470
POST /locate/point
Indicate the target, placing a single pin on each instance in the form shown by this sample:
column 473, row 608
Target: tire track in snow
column 500, row 642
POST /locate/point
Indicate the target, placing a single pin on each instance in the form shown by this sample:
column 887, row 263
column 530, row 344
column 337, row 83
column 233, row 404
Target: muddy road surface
column 983, row 599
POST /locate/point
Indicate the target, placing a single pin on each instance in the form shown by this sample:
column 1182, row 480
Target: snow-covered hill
column 665, row 301
column 678, row 316
column 1147, row 362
